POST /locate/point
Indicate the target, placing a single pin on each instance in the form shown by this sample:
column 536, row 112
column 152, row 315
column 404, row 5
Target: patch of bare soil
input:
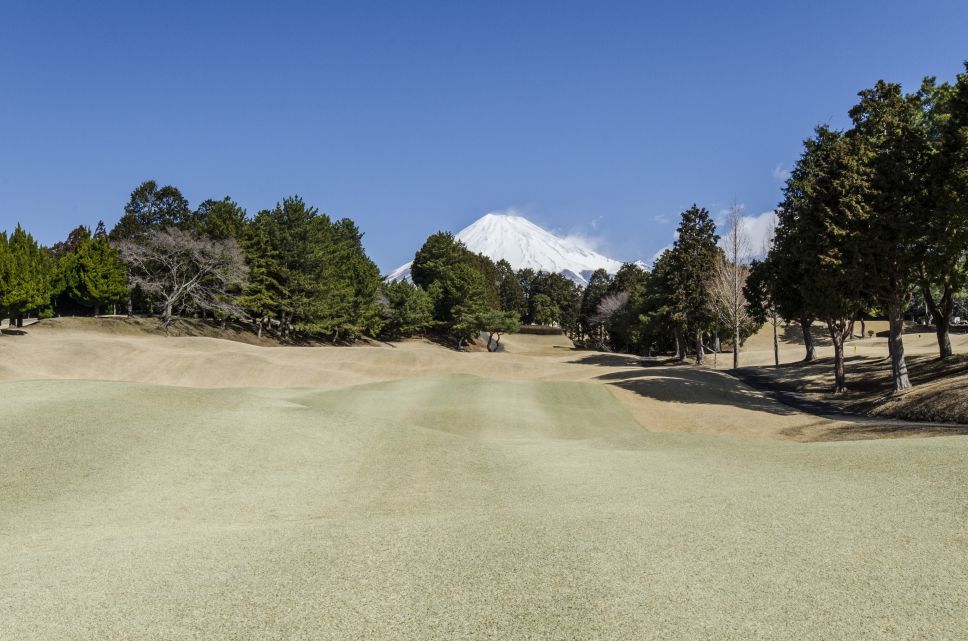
column 145, row 325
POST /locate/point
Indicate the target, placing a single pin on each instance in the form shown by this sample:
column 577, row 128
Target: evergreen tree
column 29, row 277
column 93, row 274
column 594, row 292
column 822, row 228
column 893, row 141
column 151, row 206
column 759, row 292
column 544, row 311
column 624, row 327
column 564, row 294
column 691, row 261
column 310, row 274
column 407, row 309
column 943, row 268
column 511, row 295
column 218, row 219
column 451, row 276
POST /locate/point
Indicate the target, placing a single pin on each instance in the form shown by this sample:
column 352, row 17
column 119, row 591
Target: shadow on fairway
column 608, row 360
column 692, row 385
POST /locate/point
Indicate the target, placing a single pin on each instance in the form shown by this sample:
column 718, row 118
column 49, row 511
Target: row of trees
column 289, row 270
column 872, row 215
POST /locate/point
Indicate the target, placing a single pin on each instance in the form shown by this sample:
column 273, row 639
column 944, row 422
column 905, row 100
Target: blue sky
column 597, row 119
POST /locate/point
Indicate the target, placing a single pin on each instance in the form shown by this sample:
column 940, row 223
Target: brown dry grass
column 940, row 393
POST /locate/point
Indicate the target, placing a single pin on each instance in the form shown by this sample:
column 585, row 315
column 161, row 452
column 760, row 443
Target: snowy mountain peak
column 525, row 245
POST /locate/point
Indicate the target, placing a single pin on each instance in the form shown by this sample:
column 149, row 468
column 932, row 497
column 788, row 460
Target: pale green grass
column 453, row 507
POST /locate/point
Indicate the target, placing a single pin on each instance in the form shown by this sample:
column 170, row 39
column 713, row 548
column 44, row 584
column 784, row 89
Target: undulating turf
column 456, row 507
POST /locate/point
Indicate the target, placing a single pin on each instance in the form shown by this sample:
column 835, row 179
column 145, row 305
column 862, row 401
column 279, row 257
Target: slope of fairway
column 458, row 507
column 668, row 399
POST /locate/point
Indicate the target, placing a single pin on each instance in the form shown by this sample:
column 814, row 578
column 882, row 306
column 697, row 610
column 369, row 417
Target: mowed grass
column 457, row 507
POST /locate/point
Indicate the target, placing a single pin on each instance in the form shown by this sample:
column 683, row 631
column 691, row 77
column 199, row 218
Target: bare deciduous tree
column 178, row 268
column 729, row 277
column 610, row 305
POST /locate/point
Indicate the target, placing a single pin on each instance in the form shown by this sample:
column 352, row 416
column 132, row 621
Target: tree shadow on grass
column 694, row 386
column 608, row 360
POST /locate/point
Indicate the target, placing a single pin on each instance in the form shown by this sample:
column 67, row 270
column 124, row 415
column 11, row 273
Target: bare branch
column 178, row 268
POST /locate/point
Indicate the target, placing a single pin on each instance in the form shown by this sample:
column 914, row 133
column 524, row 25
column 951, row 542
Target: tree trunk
column 680, row 348
column 837, row 335
column 258, row 328
column 811, row 349
column 20, row 320
column 130, row 308
column 166, row 315
column 700, row 351
column 97, row 311
column 776, row 342
column 941, row 316
column 735, row 343
column 896, row 344
column 944, row 339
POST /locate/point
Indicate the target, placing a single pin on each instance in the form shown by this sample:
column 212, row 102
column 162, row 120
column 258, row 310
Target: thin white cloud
column 662, row 219
column 655, row 256
column 781, row 173
column 591, row 243
column 759, row 229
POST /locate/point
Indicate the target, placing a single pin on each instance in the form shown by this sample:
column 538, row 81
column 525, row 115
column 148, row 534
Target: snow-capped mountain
column 523, row 244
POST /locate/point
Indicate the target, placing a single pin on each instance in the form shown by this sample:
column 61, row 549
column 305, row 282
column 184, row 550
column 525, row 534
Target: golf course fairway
column 453, row 506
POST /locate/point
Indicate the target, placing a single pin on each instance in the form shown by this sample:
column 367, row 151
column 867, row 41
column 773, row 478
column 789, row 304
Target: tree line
column 873, row 221
column 289, row 270
column 874, row 217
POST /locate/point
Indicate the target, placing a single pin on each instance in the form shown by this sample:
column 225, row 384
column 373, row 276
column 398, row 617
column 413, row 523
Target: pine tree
column 407, row 309
column 29, row 279
column 691, row 260
column 93, row 274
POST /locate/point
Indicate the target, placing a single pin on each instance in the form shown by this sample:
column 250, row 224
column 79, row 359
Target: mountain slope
column 526, row 245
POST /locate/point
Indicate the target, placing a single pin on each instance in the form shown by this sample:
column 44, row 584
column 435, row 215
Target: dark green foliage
column 458, row 288
column 510, row 293
column 562, row 293
column 494, row 323
column 823, row 224
column 943, row 268
column 623, row 327
column 26, row 274
column 544, row 311
column 692, row 258
column 759, row 291
column 591, row 327
column 151, row 206
column 92, row 273
column 309, row 274
column 218, row 219
column 407, row 309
